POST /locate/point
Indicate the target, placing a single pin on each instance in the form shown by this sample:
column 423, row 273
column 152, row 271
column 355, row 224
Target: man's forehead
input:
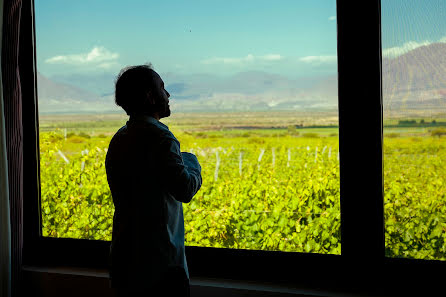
column 156, row 77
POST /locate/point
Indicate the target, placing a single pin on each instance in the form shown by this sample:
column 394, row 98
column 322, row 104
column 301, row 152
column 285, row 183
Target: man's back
column 149, row 179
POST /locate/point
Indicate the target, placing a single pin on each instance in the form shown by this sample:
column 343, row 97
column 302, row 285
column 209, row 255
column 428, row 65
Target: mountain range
column 244, row 91
column 59, row 97
column 413, row 81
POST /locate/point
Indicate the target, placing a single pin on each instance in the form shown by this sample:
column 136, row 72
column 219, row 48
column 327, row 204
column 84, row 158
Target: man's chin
column 165, row 113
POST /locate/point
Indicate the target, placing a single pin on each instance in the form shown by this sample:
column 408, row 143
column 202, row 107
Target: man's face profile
column 161, row 97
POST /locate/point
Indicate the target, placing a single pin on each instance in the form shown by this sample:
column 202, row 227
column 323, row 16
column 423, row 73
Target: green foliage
column 392, row 135
column 267, row 207
column 75, row 198
column 200, row 135
column 75, row 139
column 407, row 122
column 84, row 135
column 415, row 198
column 292, row 130
column 291, row 205
column 438, row 132
column 310, row 135
column 286, row 205
column 414, row 123
column 256, row 140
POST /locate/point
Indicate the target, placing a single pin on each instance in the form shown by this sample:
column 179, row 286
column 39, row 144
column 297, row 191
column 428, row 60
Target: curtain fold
column 12, row 111
column 5, row 224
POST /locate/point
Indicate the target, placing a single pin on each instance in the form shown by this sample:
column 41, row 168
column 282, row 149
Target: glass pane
column 253, row 89
column 414, row 97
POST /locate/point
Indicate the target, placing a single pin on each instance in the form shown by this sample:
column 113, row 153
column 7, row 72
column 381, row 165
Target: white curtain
column 5, row 224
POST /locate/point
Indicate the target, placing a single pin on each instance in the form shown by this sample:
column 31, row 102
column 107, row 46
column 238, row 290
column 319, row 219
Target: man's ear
column 150, row 98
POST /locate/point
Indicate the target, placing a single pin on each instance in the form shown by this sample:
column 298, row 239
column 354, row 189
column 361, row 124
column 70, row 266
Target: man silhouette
column 149, row 179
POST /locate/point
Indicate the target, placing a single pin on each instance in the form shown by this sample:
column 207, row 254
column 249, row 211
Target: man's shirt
column 149, row 179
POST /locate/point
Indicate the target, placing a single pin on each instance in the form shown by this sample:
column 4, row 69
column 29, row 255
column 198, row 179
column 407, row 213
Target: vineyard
column 415, row 197
column 277, row 192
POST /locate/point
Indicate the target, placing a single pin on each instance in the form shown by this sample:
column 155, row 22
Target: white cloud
column 98, row 54
column 396, row 51
column 107, row 65
column 332, row 18
column 247, row 59
column 271, row 57
column 319, row 59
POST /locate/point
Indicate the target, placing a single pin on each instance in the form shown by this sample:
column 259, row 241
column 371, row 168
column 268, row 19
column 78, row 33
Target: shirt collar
column 147, row 119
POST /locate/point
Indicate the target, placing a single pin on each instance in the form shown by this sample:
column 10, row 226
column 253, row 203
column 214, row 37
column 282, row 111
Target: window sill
column 67, row 277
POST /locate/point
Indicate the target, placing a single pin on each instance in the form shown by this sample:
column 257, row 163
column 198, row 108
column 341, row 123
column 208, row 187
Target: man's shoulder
column 159, row 129
column 152, row 130
column 120, row 133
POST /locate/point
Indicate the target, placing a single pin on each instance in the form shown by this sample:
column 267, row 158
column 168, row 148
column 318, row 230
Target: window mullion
column 360, row 120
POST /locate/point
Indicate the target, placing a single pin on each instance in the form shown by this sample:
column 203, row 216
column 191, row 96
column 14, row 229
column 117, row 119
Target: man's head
column 140, row 90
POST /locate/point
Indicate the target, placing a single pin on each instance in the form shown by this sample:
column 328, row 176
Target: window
column 362, row 263
column 414, row 128
column 254, row 96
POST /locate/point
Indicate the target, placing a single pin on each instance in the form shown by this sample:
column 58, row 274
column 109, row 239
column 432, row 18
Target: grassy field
column 270, row 181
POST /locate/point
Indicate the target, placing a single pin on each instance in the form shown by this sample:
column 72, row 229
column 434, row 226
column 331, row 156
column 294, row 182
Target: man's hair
column 133, row 83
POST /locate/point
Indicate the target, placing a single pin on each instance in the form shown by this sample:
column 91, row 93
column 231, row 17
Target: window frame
column 362, row 261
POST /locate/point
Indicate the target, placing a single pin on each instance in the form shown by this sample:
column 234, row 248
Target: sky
column 221, row 37
column 288, row 37
column 408, row 24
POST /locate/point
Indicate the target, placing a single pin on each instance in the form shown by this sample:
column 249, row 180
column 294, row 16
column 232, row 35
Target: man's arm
column 180, row 172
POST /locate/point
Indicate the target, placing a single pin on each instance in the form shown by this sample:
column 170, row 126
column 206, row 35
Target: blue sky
column 408, row 24
column 223, row 37
column 289, row 37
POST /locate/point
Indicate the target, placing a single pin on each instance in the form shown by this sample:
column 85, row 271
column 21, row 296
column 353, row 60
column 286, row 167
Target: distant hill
column 97, row 83
column 251, row 91
column 244, row 91
column 416, row 80
column 55, row 97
